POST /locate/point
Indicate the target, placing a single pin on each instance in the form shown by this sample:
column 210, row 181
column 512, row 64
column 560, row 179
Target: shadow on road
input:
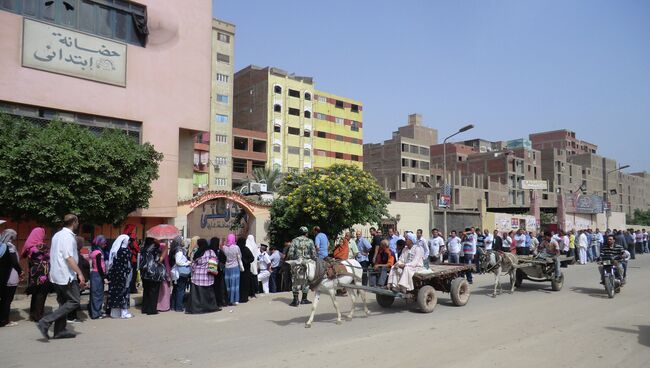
column 643, row 333
column 529, row 287
column 592, row 292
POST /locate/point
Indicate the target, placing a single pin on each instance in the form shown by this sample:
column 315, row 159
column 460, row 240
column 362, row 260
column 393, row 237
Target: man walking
column 301, row 248
column 63, row 275
column 582, row 247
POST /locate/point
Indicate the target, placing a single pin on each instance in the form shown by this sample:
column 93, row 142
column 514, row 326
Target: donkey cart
column 540, row 270
column 448, row 278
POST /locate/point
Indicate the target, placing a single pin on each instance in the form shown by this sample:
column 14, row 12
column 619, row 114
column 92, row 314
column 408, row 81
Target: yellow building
column 304, row 127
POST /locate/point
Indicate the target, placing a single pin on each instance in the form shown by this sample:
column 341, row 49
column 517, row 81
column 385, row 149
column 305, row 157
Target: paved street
column 534, row 327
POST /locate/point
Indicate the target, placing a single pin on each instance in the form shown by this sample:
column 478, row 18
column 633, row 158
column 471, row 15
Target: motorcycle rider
column 615, row 253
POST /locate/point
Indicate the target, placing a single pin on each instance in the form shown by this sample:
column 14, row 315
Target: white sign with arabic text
column 59, row 50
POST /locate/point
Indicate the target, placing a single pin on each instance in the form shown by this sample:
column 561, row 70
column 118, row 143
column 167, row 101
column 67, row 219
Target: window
column 294, row 112
column 354, row 158
column 354, row 126
column 321, row 134
column 414, row 164
column 222, row 78
column 222, row 99
column 338, row 104
column 322, row 99
column 307, row 96
column 321, row 116
column 424, row 165
column 239, row 165
column 424, row 151
column 220, row 182
column 339, row 155
column 415, row 149
column 354, row 108
column 405, row 162
column 293, row 131
column 259, row 146
column 277, row 108
column 307, row 114
column 240, row 143
column 339, row 121
column 405, row 147
column 340, row 138
column 223, row 58
column 294, row 93
column 220, row 138
column 220, row 160
column 223, row 37
column 293, row 150
column 277, row 128
column 307, row 152
column 111, row 19
column 413, row 178
column 306, row 133
column 277, row 148
column 403, row 178
column 277, row 89
column 219, row 118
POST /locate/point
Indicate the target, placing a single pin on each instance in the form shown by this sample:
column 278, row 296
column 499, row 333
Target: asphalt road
column 534, row 327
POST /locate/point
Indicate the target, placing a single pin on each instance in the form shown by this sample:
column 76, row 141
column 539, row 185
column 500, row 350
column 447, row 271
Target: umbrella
column 163, row 232
column 2, row 222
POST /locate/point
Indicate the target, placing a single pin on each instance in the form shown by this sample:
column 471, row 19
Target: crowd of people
column 201, row 276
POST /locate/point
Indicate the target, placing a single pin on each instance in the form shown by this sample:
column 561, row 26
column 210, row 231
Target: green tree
column 640, row 218
column 334, row 198
column 48, row 171
column 272, row 178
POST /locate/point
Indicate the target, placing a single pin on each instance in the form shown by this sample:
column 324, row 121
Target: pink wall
column 168, row 85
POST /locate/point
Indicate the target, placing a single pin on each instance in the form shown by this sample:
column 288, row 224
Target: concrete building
column 304, row 127
column 58, row 62
column 402, row 162
column 562, row 139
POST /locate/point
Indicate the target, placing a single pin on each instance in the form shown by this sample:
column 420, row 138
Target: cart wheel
column 519, row 278
column 385, row 301
column 427, row 298
column 459, row 291
column 557, row 285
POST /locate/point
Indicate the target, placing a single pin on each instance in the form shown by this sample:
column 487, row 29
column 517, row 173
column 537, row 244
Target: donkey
column 304, row 270
column 498, row 262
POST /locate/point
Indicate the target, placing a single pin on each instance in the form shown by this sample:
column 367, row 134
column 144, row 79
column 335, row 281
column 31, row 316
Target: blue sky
column 508, row 67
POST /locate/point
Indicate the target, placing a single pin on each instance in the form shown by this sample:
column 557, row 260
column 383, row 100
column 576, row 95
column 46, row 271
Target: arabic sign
column 59, row 50
column 586, row 203
column 218, row 218
column 534, row 184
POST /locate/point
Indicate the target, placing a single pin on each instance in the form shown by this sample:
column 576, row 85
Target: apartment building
column 304, row 127
column 402, row 162
column 561, row 139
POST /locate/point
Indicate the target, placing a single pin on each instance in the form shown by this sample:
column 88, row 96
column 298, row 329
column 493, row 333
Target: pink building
column 93, row 63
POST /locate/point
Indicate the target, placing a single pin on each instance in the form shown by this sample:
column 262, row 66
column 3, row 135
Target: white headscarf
column 122, row 241
column 255, row 249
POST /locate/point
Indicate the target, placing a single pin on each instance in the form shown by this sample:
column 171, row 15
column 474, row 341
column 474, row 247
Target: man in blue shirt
column 392, row 240
column 321, row 243
column 364, row 250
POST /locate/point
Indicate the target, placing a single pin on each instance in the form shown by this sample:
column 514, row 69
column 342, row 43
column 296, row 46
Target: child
column 97, row 277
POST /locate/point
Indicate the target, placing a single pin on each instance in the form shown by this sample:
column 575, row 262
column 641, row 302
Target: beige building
column 402, row 162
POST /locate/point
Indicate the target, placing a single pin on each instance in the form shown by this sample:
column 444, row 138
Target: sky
column 508, row 67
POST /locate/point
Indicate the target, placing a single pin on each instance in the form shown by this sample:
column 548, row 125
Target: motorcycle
column 611, row 279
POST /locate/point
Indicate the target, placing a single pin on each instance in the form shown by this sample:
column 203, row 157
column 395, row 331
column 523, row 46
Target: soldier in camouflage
column 301, row 248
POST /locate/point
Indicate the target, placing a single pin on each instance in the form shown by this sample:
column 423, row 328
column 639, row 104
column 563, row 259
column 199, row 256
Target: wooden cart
column 540, row 270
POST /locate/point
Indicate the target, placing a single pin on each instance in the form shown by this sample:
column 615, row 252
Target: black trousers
column 150, row 292
column 133, row 289
column 37, row 305
column 6, row 297
column 364, row 277
column 68, row 298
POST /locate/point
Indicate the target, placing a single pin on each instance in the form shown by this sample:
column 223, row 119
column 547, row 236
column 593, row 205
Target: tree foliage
column 48, row 171
column 334, row 198
column 640, row 218
column 272, row 178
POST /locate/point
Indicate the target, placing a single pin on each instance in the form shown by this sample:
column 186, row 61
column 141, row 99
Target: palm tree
column 272, row 178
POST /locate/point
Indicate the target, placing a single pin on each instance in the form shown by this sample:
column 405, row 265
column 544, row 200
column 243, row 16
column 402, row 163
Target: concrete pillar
column 534, row 207
column 561, row 211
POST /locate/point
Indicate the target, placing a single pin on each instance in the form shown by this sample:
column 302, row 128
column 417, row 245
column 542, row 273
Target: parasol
column 163, row 232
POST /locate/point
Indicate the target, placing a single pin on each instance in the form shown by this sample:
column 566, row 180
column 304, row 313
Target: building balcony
column 203, row 168
column 250, row 155
column 201, row 146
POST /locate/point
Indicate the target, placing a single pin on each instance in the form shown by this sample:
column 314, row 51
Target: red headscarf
column 129, row 230
column 35, row 238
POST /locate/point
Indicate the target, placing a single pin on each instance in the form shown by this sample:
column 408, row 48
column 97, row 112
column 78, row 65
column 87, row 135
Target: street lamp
column 606, row 198
column 444, row 173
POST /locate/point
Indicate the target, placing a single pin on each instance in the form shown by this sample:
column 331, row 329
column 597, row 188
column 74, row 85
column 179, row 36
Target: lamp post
column 606, row 198
column 444, row 173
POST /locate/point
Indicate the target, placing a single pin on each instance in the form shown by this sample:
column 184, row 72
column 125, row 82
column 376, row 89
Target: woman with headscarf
column 164, row 296
column 245, row 276
column 119, row 275
column 191, row 251
column 219, row 282
column 37, row 254
column 152, row 256
column 183, row 268
column 98, row 277
column 255, row 250
column 202, row 298
column 10, row 273
column 134, row 247
column 233, row 261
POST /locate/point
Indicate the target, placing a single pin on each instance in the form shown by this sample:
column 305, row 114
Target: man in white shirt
column 520, row 243
column 645, row 242
column 422, row 243
column 582, row 247
column 436, row 246
column 454, row 247
column 64, row 272
column 264, row 268
column 489, row 239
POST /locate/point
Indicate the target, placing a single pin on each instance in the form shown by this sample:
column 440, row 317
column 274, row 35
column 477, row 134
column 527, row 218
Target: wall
column 506, row 222
column 166, row 85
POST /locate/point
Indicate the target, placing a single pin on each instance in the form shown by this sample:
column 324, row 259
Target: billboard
column 534, row 184
column 586, row 203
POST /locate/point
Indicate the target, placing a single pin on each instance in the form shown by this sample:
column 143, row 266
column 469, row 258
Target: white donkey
column 305, row 271
column 497, row 262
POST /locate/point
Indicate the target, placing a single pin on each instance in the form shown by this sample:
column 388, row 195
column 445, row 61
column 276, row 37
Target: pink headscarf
column 232, row 240
column 36, row 237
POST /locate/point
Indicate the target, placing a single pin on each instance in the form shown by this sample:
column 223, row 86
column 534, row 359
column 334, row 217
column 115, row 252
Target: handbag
column 213, row 266
column 184, row 271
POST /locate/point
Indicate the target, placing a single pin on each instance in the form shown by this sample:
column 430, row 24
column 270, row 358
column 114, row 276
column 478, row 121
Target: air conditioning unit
column 256, row 187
